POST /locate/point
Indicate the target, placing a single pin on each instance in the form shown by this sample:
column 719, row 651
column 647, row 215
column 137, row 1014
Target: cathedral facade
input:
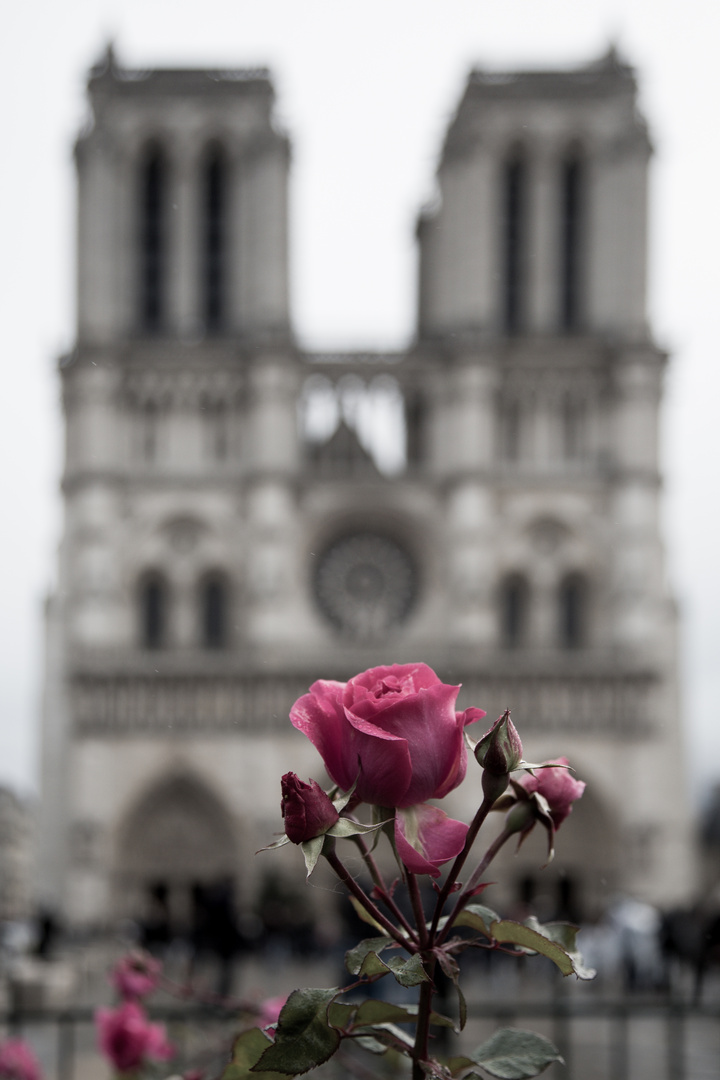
column 232, row 533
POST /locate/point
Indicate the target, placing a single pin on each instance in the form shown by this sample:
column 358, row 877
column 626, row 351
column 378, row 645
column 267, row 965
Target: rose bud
column 500, row 750
column 306, row 809
column 557, row 786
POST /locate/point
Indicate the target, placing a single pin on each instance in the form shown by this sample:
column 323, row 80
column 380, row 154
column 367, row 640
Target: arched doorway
column 177, row 837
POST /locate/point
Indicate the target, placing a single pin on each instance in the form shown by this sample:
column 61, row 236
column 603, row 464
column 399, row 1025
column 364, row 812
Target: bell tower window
column 214, row 240
column 153, row 612
column 514, row 239
column 152, row 239
column 571, row 241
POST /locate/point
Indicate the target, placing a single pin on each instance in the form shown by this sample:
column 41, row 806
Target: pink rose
column 136, row 975
column 426, row 837
column 127, row 1038
column 306, row 809
column 557, row 786
column 17, row 1061
column 394, row 729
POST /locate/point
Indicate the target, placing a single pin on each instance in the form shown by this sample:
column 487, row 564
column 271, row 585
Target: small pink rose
column 558, row 786
column 17, row 1061
column 136, row 975
column 306, row 809
column 393, row 729
column 269, row 1015
column 426, row 837
column 128, row 1039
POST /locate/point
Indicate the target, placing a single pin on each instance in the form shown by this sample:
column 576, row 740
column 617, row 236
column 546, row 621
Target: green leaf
column 407, row 972
column 312, row 850
column 564, row 935
column 354, row 957
column 512, row 933
column 247, row 1051
column 462, row 1007
column 512, row 1054
column 478, row 917
column 304, row 1038
column 369, row 1042
column 373, row 1012
column 340, row 1015
column 364, row 915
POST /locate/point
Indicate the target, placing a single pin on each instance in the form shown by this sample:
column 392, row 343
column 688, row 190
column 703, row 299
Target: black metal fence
column 600, row 1039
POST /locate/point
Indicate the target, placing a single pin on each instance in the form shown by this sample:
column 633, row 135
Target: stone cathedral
column 231, row 532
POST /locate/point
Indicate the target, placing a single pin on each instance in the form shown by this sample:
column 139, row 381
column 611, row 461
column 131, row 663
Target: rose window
column 365, row 585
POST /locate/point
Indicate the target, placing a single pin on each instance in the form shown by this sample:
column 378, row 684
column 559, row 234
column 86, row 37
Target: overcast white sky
column 365, row 89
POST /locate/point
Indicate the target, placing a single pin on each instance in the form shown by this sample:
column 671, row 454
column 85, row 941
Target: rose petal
column 426, row 837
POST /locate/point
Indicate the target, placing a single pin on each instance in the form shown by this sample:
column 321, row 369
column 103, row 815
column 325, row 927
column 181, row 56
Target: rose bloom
column 558, row 786
column 393, row 729
column 17, row 1061
column 136, row 975
column 127, row 1038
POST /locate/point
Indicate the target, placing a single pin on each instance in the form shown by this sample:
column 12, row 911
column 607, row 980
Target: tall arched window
column 153, row 612
column 571, row 240
column 572, row 612
column 514, row 610
column 214, row 611
column 152, row 260
column 514, row 240
column 214, row 239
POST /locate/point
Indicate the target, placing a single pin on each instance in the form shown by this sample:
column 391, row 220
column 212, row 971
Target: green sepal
column 564, row 935
column 312, row 850
column 247, row 1051
column 275, row 844
column 341, row 802
column 344, row 827
column 510, row 1054
column 304, row 1037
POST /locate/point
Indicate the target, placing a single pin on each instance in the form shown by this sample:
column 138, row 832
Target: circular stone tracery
column 365, row 585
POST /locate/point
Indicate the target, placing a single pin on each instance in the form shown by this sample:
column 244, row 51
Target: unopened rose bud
column 306, row 809
column 500, row 750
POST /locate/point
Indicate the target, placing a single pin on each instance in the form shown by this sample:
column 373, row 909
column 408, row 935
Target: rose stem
column 422, row 1029
column 417, row 906
column 485, row 808
column 474, row 879
column 362, row 897
column 380, row 883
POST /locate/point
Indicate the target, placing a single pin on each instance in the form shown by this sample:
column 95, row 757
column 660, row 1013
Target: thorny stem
column 380, row 884
column 417, row 906
column 422, row 1028
column 484, row 810
column 473, row 881
column 362, row 898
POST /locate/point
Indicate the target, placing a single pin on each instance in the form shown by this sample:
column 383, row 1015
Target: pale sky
column 365, row 90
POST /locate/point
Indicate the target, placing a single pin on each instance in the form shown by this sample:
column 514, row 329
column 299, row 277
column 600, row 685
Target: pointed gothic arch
column 178, row 833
